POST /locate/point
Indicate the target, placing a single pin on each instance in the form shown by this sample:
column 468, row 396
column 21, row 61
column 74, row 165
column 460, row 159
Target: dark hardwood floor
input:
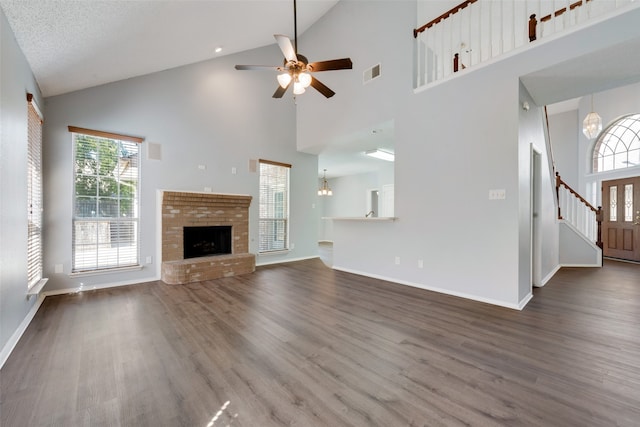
column 300, row 344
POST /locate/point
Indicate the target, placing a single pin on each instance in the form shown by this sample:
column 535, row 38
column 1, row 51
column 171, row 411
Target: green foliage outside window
column 104, row 183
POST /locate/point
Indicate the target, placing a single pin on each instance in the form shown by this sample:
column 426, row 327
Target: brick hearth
column 188, row 209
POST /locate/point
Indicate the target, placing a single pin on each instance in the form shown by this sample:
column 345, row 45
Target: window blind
column 34, row 193
column 106, row 206
column 274, row 206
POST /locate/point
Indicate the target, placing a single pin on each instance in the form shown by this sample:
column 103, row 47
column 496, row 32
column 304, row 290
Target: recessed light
column 381, row 154
column 218, row 49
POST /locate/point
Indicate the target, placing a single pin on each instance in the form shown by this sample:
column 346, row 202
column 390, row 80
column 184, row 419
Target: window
column 105, row 202
column 274, row 206
column 34, row 193
column 618, row 146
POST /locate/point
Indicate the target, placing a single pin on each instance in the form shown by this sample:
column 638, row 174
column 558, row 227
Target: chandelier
column 592, row 124
column 324, row 189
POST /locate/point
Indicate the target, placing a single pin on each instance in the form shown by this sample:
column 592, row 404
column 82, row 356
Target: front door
column 621, row 218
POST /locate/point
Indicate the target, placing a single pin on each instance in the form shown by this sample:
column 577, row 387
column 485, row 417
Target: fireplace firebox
column 206, row 241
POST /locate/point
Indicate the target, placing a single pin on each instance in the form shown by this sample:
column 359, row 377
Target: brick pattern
column 187, row 209
column 207, row 268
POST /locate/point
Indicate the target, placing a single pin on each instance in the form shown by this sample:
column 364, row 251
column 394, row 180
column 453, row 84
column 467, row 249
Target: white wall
column 452, row 147
column 16, row 79
column 610, row 105
column 544, row 262
column 350, row 196
column 203, row 114
column 564, row 129
column 455, row 141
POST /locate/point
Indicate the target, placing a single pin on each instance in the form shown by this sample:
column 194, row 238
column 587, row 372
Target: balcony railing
column 477, row 31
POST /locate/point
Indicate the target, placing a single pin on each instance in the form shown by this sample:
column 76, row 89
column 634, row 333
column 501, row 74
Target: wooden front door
column 621, row 218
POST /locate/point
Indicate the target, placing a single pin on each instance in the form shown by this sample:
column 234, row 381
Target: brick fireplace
column 191, row 209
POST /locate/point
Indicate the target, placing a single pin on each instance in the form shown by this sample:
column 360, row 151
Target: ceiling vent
column 371, row 73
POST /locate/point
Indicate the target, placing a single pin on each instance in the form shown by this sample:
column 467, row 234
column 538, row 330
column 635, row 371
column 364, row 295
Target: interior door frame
column 535, row 184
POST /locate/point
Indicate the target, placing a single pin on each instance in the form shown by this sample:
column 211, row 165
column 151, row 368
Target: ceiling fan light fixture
column 381, row 154
column 304, row 79
column 298, row 88
column 284, row 79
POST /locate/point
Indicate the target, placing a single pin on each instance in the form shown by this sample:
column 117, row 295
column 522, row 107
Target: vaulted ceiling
column 72, row 45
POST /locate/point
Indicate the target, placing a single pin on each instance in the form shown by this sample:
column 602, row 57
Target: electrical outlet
column 149, row 260
column 234, row 170
column 202, row 167
column 397, row 260
column 497, row 194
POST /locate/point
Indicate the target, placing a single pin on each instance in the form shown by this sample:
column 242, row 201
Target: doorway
column 372, row 203
column 621, row 218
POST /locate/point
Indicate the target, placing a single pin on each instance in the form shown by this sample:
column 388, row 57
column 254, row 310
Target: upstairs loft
column 477, row 32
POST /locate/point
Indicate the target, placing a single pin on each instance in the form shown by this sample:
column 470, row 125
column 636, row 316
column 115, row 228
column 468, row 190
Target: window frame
column 618, row 134
column 274, row 213
column 121, row 261
column 35, row 205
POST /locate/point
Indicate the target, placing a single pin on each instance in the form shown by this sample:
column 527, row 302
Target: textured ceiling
column 72, row 45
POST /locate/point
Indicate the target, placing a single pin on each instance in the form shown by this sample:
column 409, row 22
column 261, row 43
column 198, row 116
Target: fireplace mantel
column 186, row 209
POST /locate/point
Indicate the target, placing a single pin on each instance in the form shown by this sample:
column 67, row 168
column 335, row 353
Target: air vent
column 371, row 73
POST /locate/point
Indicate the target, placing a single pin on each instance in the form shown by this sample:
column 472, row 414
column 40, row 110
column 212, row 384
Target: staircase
column 580, row 235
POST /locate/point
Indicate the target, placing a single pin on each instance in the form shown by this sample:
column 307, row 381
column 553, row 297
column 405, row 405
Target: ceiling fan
column 297, row 69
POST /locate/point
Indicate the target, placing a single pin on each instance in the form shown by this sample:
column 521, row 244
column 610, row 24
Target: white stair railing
column 480, row 30
column 578, row 212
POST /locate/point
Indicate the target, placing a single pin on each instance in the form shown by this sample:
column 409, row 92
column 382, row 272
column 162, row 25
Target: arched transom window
column 618, row 146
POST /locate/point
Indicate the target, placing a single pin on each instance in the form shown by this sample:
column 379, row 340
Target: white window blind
column 274, row 206
column 106, row 200
column 34, row 193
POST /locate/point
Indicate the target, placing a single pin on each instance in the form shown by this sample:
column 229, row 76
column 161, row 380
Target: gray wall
column 611, row 105
column 563, row 131
column 203, row 114
column 16, row 79
column 573, row 151
column 455, row 140
column 350, row 196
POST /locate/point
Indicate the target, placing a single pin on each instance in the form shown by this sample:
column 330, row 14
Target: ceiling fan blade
column 333, row 64
column 257, row 67
column 286, row 47
column 280, row 91
column 321, row 87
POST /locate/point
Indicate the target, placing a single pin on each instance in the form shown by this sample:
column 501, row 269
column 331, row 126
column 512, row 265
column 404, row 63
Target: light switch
column 497, row 194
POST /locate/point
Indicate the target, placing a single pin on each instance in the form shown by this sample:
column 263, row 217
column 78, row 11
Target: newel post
column 558, row 181
column 599, row 221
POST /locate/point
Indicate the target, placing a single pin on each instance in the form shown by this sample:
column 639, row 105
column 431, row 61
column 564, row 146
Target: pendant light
column 592, row 124
column 324, row 189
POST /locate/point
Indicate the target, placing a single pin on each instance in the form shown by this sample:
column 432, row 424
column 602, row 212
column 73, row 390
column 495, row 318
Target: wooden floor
column 300, row 344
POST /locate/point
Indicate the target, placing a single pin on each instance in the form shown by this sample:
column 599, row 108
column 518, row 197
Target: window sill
column 105, row 271
column 35, row 289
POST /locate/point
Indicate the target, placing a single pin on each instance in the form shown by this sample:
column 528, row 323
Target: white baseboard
column 96, row 287
column 548, row 277
column 581, row 265
column 283, row 261
column 500, row 303
column 13, row 341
